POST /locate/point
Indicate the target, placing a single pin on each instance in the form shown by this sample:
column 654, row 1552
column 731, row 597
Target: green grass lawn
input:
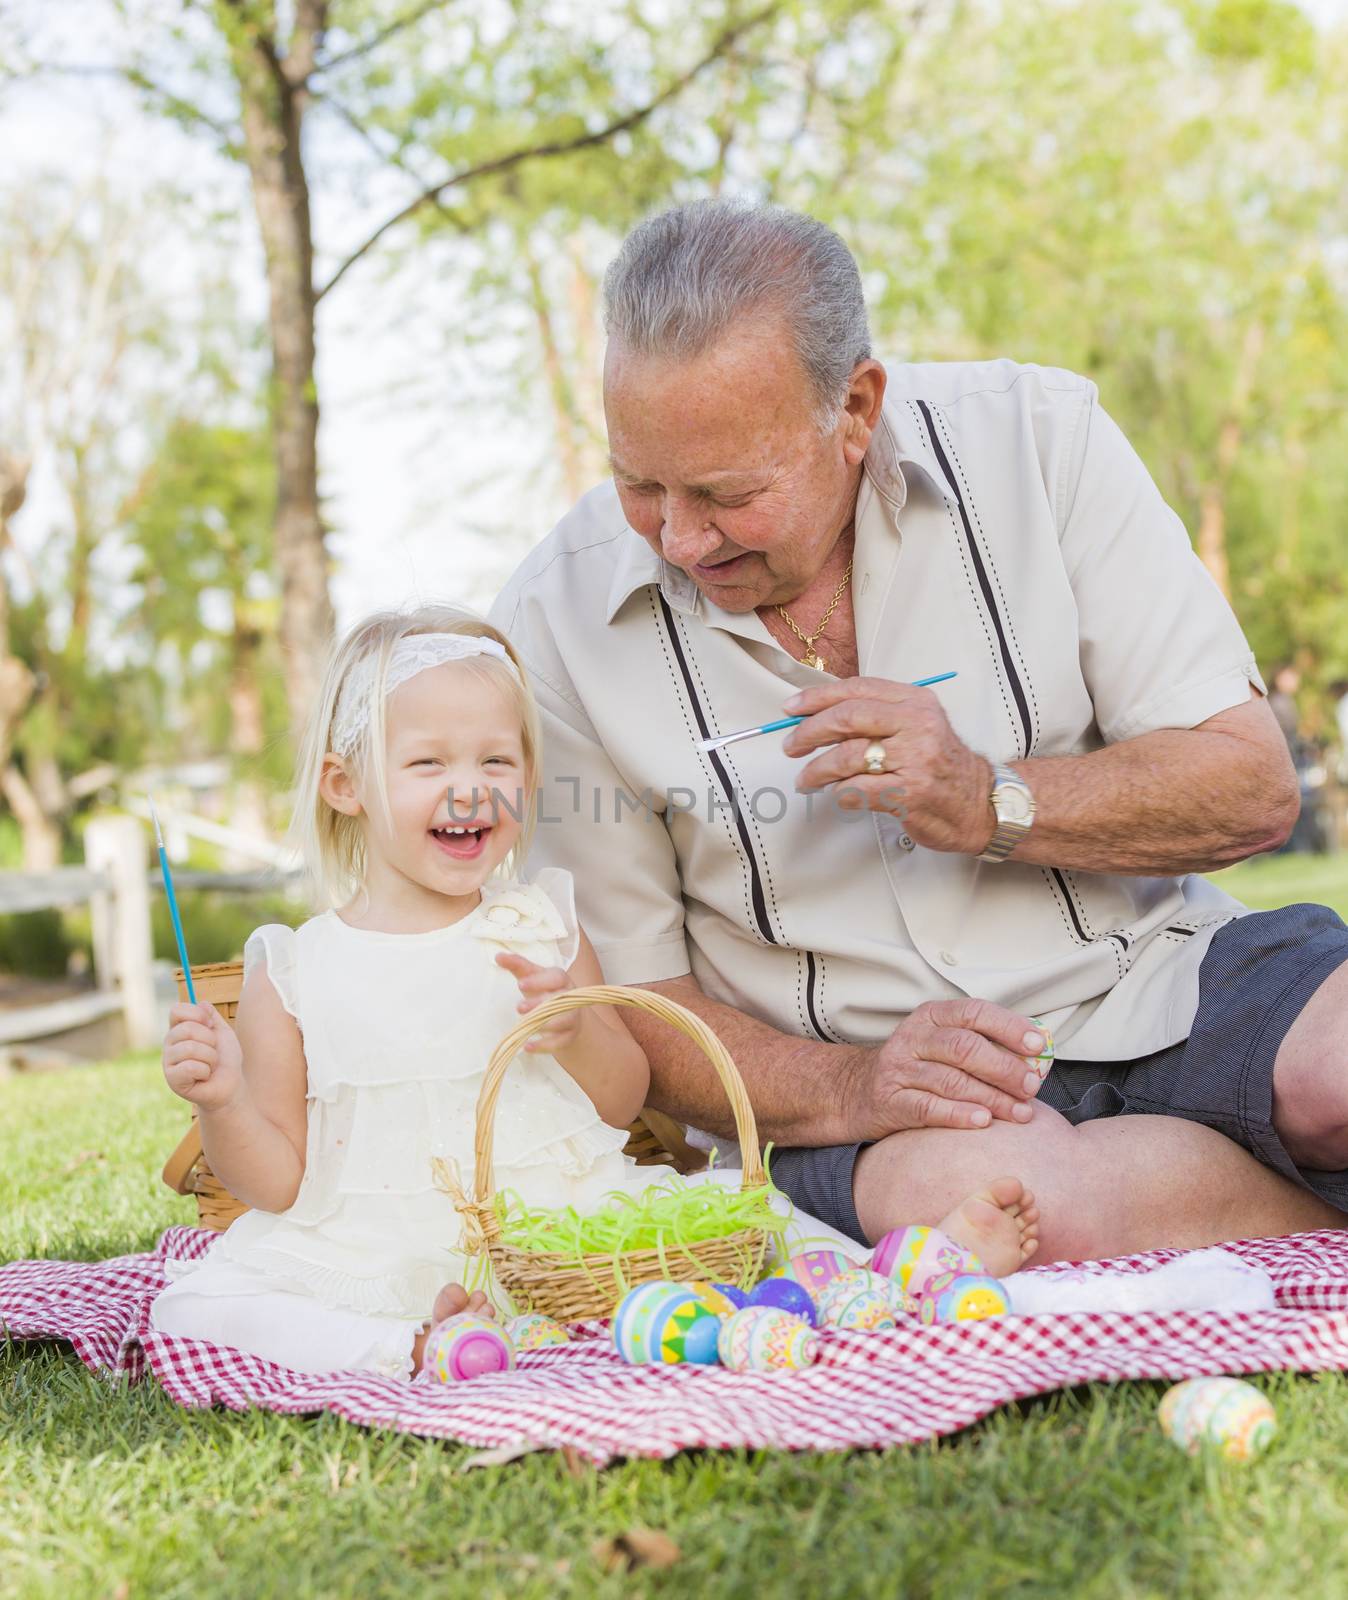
column 107, row 1491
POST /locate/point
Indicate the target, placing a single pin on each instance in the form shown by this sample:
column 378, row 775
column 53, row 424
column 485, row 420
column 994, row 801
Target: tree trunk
column 247, row 726
column 273, row 106
column 41, row 834
column 16, row 678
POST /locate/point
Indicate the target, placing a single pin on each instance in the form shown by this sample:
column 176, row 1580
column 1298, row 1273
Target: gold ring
column 874, row 757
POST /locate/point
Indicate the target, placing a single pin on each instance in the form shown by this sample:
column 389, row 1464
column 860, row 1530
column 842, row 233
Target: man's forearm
column 799, row 1088
column 1159, row 805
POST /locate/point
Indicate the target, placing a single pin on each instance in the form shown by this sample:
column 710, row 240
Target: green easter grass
column 113, row 1492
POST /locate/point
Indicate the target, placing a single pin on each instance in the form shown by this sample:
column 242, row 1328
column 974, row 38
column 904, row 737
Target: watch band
column 1015, row 816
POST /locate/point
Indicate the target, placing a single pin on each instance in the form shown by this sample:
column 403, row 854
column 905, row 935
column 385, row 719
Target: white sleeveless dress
column 397, row 1031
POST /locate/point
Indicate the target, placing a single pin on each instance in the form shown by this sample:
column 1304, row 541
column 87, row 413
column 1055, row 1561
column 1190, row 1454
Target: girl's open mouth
column 462, row 842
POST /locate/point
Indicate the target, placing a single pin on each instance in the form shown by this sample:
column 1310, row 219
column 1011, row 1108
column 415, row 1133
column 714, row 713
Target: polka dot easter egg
column 816, row 1269
column 665, row 1323
column 1223, row 1414
column 913, row 1257
column 767, row 1339
column 533, row 1331
column 962, row 1297
column 856, row 1309
column 787, row 1295
column 1044, row 1060
column 467, row 1346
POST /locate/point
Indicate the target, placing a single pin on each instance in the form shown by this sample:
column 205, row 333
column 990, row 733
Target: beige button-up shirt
column 1006, row 531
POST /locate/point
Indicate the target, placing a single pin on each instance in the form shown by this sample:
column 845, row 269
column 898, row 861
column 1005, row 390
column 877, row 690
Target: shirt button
column 906, row 842
column 948, row 956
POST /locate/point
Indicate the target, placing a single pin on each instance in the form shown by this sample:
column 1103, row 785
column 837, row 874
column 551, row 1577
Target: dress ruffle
column 398, row 1030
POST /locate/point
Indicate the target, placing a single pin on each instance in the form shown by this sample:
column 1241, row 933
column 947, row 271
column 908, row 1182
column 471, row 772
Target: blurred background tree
column 1148, row 191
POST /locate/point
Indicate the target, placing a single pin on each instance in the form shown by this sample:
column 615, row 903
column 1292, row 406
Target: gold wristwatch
column 1013, row 806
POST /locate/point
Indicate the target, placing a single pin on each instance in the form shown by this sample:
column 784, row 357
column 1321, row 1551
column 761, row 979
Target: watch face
column 1012, row 803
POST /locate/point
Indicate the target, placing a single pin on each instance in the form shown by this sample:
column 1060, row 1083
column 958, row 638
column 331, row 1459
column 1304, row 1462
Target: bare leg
column 1310, row 1080
column 1105, row 1188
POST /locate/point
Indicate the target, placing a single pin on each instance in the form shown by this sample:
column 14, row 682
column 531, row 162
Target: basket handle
column 612, row 994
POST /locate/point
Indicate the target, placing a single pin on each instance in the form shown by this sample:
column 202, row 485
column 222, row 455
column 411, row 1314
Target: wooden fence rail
column 116, row 885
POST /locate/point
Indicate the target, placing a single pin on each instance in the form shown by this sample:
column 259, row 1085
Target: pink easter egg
column 913, row 1257
column 467, row 1346
column 814, row 1270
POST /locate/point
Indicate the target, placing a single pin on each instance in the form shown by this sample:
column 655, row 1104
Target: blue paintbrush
column 790, row 722
column 173, row 906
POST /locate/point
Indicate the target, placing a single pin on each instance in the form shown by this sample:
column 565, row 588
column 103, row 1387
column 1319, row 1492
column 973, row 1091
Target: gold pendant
column 812, row 660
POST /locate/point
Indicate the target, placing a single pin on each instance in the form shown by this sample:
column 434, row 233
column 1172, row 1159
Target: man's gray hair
column 684, row 276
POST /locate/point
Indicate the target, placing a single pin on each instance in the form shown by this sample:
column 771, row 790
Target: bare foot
column 1000, row 1224
column 454, row 1298
column 451, row 1300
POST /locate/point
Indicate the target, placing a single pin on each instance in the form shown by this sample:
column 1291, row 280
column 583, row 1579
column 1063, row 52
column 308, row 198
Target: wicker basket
column 653, row 1139
column 561, row 1286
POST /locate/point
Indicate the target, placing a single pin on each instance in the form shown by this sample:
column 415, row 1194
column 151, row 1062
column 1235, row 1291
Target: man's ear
column 865, row 397
column 338, row 788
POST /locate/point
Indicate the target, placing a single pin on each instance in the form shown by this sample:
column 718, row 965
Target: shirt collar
column 897, row 443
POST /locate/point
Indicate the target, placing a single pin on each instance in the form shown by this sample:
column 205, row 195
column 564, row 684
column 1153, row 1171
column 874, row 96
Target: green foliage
column 35, row 944
column 216, row 926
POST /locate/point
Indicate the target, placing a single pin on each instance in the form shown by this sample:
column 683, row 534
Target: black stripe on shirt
column 757, row 896
column 1013, row 677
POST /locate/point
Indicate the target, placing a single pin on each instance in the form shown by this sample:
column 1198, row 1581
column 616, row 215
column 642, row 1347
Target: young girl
column 362, row 1037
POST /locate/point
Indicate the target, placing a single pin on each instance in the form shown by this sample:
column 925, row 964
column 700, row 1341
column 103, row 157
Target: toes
column 1005, row 1192
column 451, row 1300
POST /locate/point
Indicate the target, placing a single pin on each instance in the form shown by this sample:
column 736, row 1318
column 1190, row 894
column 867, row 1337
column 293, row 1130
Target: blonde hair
column 332, row 843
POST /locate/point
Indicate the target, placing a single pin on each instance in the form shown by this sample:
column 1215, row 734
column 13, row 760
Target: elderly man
column 871, row 908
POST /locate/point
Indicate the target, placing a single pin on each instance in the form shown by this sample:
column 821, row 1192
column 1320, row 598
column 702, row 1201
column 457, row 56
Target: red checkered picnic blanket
column 868, row 1389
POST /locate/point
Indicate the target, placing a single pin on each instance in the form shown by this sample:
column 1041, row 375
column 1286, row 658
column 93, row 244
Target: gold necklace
column 810, row 659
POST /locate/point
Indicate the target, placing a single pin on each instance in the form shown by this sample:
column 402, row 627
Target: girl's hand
column 538, row 984
column 203, row 1060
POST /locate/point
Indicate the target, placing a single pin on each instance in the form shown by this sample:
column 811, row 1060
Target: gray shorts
column 1258, row 973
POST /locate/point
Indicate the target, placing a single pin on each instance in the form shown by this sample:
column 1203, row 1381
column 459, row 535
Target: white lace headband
column 413, row 653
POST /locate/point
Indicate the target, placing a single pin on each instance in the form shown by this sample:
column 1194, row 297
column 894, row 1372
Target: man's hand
column 203, row 1061
column 950, row 1064
column 932, row 780
column 538, row 984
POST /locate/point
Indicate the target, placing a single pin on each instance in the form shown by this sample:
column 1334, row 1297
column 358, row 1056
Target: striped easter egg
column 665, row 1323
column 913, row 1256
column 814, row 1270
column 857, row 1308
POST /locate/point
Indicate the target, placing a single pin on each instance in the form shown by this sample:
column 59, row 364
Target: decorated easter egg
column 856, row 1308
column 532, row 1331
column 963, row 1297
column 816, row 1269
column 467, row 1346
column 766, row 1339
column 738, row 1297
column 787, row 1294
column 1044, row 1060
column 912, row 1257
column 860, row 1278
column 1226, row 1414
column 665, row 1323
column 723, row 1298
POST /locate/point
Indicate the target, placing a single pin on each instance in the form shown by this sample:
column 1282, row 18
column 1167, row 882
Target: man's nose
column 686, row 535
